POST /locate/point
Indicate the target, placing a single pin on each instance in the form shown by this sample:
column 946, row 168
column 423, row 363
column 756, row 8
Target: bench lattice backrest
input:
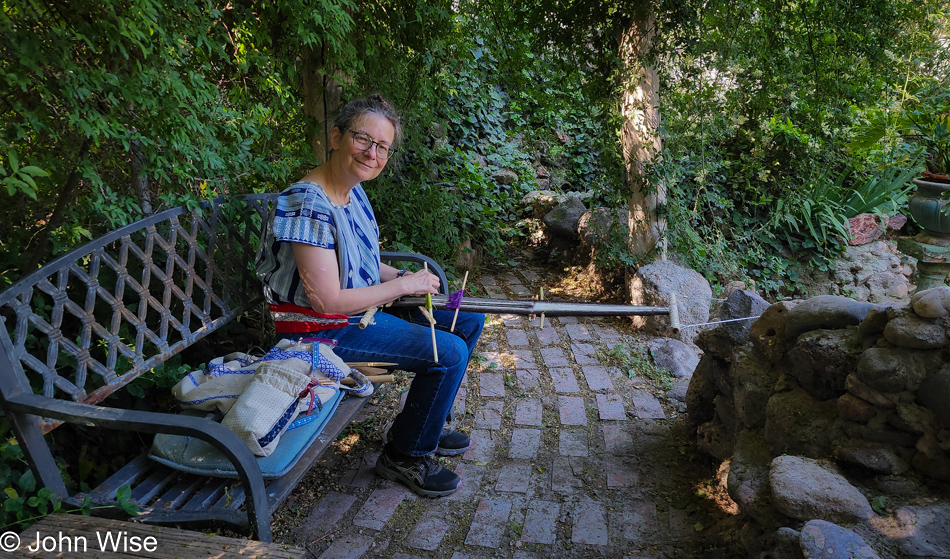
column 95, row 319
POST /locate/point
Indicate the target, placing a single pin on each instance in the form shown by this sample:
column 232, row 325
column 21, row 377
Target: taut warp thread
column 528, row 308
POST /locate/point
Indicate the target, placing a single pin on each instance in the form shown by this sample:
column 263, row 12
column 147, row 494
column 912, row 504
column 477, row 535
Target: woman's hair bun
column 371, row 104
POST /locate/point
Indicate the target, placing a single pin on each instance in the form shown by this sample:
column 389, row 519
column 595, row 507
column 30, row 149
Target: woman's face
column 363, row 164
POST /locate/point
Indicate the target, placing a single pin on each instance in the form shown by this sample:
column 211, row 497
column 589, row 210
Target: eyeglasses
column 365, row 141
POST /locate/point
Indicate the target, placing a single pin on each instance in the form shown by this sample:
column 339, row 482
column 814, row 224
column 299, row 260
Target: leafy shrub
column 26, row 503
column 490, row 109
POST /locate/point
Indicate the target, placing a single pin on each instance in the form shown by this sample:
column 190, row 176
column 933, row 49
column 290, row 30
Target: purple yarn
column 455, row 300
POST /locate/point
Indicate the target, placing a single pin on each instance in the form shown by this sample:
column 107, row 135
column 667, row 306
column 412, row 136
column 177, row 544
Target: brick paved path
column 568, row 460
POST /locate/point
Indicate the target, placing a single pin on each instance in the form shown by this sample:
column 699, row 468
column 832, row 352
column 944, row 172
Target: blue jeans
column 416, row 430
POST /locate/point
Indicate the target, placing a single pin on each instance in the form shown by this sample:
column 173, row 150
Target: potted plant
column 927, row 124
column 922, row 122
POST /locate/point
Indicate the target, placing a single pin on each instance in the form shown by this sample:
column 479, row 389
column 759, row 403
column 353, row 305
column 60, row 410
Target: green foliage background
column 779, row 121
column 760, row 103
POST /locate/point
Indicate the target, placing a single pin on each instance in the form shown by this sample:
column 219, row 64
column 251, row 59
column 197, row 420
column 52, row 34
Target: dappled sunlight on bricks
column 564, row 460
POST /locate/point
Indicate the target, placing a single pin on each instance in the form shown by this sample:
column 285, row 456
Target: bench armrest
column 207, row 430
column 434, row 267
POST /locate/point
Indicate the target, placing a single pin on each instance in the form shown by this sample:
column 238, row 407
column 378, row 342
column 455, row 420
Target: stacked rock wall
column 825, row 405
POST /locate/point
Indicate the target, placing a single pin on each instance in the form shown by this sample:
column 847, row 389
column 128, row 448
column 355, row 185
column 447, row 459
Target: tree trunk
column 140, row 179
column 321, row 99
column 640, row 135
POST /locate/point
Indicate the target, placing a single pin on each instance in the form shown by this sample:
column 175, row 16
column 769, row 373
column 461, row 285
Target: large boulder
column 797, row 423
column 823, row 359
column 864, row 228
column 925, row 530
column 652, row 286
column 915, row 332
column 563, row 219
column 895, row 369
column 601, row 225
column 932, row 303
column 674, row 356
column 737, row 313
column 877, row 458
column 821, row 539
column 743, row 307
column 805, row 489
column 825, row 312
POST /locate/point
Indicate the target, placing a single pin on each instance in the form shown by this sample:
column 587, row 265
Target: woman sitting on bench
column 320, row 266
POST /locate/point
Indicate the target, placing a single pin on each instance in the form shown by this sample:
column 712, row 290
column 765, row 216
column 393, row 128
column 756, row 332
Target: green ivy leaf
column 27, row 482
column 124, row 493
column 135, row 390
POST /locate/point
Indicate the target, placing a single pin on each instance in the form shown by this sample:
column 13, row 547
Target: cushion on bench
column 188, row 454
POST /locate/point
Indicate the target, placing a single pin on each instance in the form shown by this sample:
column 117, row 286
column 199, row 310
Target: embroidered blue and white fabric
column 217, row 386
column 260, row 397
column 292, row 378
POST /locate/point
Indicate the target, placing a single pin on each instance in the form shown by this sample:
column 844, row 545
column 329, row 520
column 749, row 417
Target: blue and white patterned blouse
column 305, row 214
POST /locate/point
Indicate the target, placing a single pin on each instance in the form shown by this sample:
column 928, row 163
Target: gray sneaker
column 423, row 475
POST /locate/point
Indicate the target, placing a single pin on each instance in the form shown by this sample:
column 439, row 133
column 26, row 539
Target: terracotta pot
column 927, row 206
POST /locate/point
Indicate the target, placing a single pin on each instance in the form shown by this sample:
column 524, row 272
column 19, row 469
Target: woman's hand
column 419, row 283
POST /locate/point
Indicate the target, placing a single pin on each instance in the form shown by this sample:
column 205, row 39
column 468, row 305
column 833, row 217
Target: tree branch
column 61, row 203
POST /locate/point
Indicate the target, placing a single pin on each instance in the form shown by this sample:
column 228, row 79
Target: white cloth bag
column 217, row 386
column 260, row 397
column 271, row 401
column 293, row 378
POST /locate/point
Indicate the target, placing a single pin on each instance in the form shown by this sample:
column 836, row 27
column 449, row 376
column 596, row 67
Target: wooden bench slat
column 233, row 499
column 130, row 474
column 153, row 485
column 179, row 493
column 170, row 542
column 207, row 495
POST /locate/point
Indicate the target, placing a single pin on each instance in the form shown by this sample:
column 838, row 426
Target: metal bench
column 87, row 324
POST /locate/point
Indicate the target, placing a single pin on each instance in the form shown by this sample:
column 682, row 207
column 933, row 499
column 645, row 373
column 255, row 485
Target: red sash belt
column 291, row 319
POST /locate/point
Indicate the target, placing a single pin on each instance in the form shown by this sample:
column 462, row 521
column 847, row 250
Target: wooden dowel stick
column 371, row 371
column 464, row 279
column 429, row 314
column 378, row 378
column 674, row 314
column 541, row 295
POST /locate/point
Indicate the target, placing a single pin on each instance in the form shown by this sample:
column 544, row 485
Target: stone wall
column 831, row 418
column 875, row 272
